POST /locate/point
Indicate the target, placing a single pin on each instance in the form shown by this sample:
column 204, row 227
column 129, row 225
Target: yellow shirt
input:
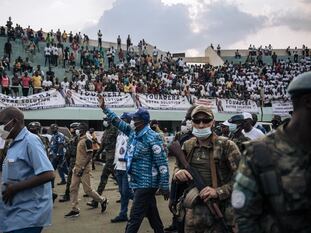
column 126, row 88
column 36, row 81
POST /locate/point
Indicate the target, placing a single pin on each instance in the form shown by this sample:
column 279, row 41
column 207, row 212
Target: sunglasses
column 203, row 120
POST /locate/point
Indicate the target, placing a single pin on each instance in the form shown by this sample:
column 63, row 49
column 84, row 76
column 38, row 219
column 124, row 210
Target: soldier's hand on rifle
column 183, row 175
column 208, row 193
column 101, row 102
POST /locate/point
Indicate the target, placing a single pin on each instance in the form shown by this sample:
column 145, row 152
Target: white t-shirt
column 120, row 152
column 253, row 134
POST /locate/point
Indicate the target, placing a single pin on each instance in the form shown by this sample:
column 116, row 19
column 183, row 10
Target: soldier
column 108, row 142
column 216, row 160
column 82, row 173
column 236, row 134
column 72, row 153
column 272, row 191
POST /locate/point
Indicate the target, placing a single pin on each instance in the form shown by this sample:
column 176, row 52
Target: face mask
column 202, row 133
column 184, row 129
column 232, row 128
column 4, row 133
column 77, row 132
column 105, row 124
column 132, row 124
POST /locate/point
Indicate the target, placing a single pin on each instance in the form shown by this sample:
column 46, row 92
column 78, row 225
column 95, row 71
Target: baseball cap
column 203, row 109
column 247, row 115
column 226, row 123
column 126, row 116
column 236, row 118
column 142, row 114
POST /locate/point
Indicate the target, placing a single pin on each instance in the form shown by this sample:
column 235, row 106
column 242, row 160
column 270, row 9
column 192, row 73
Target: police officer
column 108, row 142
column 72, row 153
column 272, row 191
column 216, row 160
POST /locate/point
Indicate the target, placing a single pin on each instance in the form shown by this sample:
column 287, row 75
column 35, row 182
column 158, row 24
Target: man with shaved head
column 26, row 203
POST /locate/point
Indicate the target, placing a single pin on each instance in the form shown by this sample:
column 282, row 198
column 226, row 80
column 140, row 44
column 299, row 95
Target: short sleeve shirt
column 26, row 157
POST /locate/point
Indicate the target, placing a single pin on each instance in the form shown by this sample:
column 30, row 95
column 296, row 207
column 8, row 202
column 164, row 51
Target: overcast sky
column 174, row 25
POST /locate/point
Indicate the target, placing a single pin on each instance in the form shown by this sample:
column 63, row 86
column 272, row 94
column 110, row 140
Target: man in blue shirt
column 58, row 153
column 26, row 204
column 147, row 167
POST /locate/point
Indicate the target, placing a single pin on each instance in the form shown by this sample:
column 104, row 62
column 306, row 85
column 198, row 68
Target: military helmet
column 74, row 125
column 301, row 84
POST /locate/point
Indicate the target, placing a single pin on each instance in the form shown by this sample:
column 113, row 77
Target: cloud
column 172, row 27
column 297, row 20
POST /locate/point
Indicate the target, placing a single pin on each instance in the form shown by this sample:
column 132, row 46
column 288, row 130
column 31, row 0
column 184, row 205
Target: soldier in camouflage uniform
column 216, row 160
column 272, row 191
column 72, row 146
column 236, row 134
column 108, row 142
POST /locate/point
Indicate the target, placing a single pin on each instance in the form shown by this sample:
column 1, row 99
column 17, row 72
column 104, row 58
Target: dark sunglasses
column 203, row 120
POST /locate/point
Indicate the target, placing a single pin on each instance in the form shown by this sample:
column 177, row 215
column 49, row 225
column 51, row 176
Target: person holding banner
column 147, row 166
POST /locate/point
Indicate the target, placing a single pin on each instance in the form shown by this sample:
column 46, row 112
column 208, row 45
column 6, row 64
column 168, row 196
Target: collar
column 142, row 132
column 209, row 142
column 20, row 136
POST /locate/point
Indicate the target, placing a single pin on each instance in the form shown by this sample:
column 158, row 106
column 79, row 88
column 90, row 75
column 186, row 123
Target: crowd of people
column 139, row 70
column 235, row 179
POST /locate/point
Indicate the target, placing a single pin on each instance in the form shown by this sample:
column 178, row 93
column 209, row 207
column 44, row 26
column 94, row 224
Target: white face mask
column 105, row 124
column 132, row 124
column 4, row 133
column 77, row 132
column 202, row 133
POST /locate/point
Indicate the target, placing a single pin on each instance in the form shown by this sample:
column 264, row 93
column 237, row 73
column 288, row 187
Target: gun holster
column 191, row 198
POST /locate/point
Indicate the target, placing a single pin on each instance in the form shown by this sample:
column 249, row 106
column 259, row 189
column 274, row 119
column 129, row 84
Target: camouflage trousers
column 195, row 223
column 69, row 177
column 107, row 170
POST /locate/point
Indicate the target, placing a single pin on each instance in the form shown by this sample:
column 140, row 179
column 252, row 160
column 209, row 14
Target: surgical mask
column 105, row 124
column 132, row 124
column 77, row 132
column 4, row 133
column 202, row 133
column 232, row 128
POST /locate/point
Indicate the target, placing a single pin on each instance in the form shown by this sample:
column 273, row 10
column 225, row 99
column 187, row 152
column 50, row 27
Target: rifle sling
column 213, row 169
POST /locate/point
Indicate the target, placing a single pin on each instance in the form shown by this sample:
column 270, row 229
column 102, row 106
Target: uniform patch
column 156, row 149
column 122, row 150
column 154, row 171
column 163, row 169
column 238, row 199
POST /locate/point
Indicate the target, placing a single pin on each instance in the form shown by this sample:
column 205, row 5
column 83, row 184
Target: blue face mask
column 232, row 128
column 202, row 133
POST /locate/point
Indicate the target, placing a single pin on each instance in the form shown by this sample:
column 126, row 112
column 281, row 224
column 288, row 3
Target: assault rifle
column 175, row 150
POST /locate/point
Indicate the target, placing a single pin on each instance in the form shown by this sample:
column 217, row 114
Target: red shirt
column 26, row 81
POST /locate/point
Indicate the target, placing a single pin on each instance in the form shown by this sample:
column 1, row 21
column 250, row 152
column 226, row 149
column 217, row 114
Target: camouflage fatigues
column 226, row 157
column 272, row 192
column 108, row 142
column 239, row 140
column 72, row 147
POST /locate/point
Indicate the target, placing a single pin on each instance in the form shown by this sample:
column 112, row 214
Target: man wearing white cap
column 248, row 130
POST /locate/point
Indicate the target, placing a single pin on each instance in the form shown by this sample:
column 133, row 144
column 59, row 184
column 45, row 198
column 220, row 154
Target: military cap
column 204, row 109
column 236, row 118
column 301, row 84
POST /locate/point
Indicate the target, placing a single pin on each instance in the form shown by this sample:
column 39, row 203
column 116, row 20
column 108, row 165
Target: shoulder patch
column 156, row 149
column 238, row 199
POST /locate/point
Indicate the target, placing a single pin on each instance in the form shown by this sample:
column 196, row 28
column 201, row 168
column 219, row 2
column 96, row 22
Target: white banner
column 89, row 99
column 236, row 106
column 210, row 103
column 281, row 108
column 43, row 100
column 158, row 101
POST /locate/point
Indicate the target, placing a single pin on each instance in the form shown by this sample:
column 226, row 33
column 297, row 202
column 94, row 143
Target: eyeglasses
column 203, row 120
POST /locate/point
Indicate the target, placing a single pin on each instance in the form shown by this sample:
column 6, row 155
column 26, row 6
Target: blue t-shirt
column 26, row 157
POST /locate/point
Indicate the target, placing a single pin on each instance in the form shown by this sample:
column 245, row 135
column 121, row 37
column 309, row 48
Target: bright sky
column 174, row 25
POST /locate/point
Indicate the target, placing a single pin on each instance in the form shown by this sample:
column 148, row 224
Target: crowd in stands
column 139, row 70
